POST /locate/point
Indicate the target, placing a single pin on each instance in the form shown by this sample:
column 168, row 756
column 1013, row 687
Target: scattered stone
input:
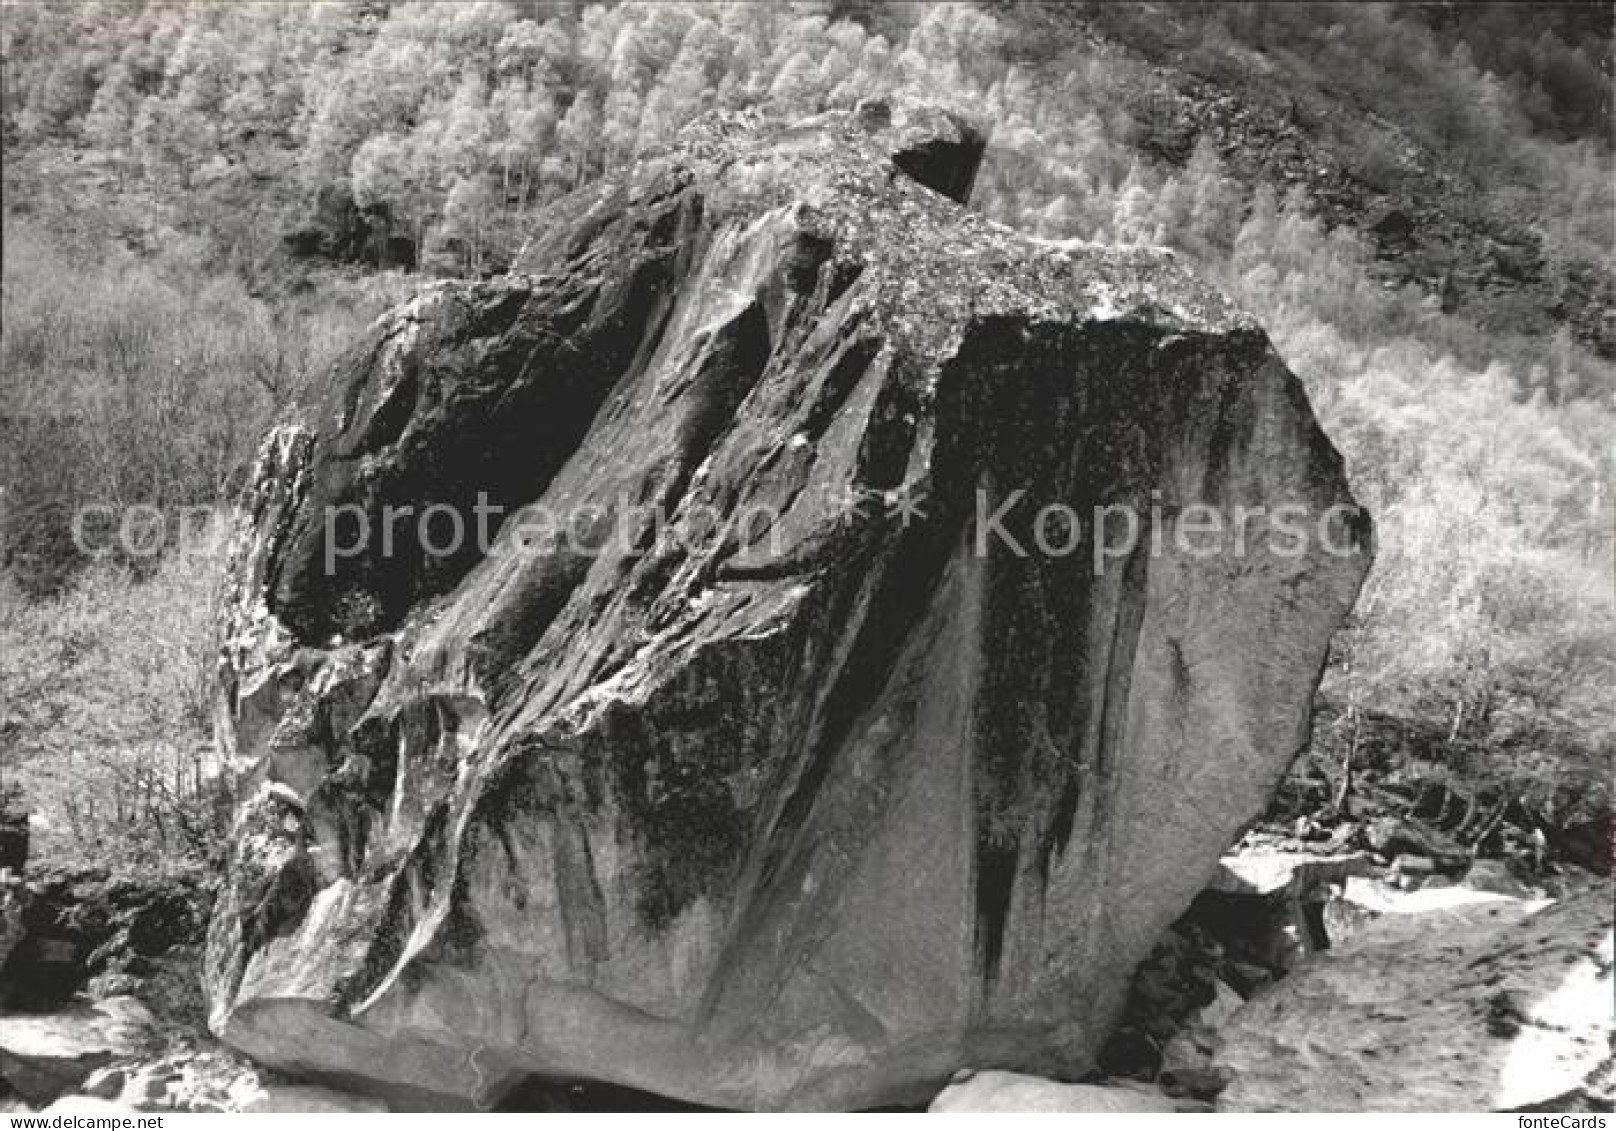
column 1496, row 877
column 1010, row 1092
column 105, row 1083
column 1394, row 837
column 1247, row 977
column 1186, row 1059
column 1178, row 985
column 43, row 1056
column 1224, row 1006
column 310, row 1099
column 338, row 229
column 82, row 927
column 1292, row 874
column 1588, row 843
column 11, row 918
column 1186, row 1064
column 149, row 1088
column 112, row 984
column 14, row 838
column 1407, row 865
column 1268, row 906
column 85, row 1105
column 1375, row 896
column 1362, row 900
column 1391, row 226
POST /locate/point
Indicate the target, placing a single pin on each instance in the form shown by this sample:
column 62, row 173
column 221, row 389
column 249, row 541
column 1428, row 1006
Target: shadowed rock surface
column 829, row 791
column 44, row 1055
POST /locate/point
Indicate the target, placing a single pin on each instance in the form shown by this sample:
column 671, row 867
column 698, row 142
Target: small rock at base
column 1224, row 1005
column 43, row 1056
column 83, row 1105
column 147, row 1089
column 1495, row 876
column 310, row 1099
column 983, row 1092
column 105, row 1083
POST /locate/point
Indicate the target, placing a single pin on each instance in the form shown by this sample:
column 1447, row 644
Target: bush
column 123, row 384
column 105, row 714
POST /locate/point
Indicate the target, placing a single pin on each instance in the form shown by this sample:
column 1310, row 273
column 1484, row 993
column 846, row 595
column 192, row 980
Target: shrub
column 123, row 384
column 104, row 715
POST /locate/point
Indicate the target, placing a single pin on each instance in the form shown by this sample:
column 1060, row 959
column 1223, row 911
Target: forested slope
column 204, row 202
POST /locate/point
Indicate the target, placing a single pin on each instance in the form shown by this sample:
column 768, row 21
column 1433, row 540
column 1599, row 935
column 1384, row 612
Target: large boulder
column 1493, row 1006
column 867, row 761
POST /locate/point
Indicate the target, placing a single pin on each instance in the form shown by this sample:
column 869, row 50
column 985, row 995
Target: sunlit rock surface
column 828, row 791
column 44, row 1055
column 1496, row 1006
column 1008, row 1093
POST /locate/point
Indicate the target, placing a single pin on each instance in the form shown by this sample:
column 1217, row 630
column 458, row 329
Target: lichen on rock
column 832, row 793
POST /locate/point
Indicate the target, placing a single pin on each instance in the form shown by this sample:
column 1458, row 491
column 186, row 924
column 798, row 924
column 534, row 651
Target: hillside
column 1472, row 154
column 204, row 203
column 759, row 783
column 1469, row 145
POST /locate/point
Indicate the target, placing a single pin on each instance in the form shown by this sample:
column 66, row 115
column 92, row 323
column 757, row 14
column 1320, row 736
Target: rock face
column 839, row 780
column 1496, row 1006
column 44, row 1055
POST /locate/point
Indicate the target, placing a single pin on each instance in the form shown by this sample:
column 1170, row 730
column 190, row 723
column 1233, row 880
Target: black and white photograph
column 987, row 557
